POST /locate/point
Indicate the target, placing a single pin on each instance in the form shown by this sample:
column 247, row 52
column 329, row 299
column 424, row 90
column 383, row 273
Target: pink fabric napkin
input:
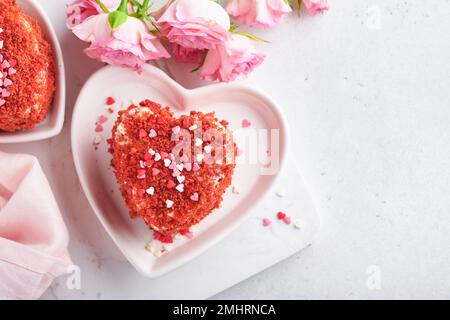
column 33, row 237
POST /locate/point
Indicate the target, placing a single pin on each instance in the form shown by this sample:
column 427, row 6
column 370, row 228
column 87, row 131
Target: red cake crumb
column 281, row 215
column 177, row 196
column 110, row 101
column 34, row 82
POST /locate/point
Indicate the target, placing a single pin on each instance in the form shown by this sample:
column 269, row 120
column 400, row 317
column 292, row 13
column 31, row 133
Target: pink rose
column 80, row 10
column 199, row 24
column 130, row 45
column 158, row 13
column 183, row 54
column 316, row 6
column 235, row 58
column 264, row 13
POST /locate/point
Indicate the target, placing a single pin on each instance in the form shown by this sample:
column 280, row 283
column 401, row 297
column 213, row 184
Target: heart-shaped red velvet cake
column 172, row 172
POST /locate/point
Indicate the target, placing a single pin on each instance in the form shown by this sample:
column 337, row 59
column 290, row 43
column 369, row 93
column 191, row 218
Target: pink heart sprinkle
column 195, row 166
column 141, row 174
column 7, row 82
column 12, row 71
column 2, row 102
column 194, row 197
column 176, row 172
column 99, row 128
column 142, row 133
column 102, row 119
column 246, row 123
column 189, row 235
column 173, row 166
column 266, row 222
column 155, row 171
column 188, row 166
column 171, row 184
column 152, row 133
column 5, row 64
column 176, row 130
column 287, row 220
column 5, row 93
column 149, row 163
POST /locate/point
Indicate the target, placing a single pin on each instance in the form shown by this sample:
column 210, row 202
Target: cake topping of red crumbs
column 187, row 233
column 171, row 184
column 180, row 188
column 141, row 174
column 162, row 238
column 142, row 133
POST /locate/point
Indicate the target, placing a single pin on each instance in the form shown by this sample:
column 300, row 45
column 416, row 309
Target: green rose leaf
column 116, row 19
column 251, row 36
column 102, row 6
column 233, row 28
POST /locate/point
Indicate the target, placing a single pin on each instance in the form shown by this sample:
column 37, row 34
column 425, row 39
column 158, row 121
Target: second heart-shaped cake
column 172, row 172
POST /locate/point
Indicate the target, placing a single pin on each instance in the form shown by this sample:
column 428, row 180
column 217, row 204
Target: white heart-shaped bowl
column 230, row 102
column 53, row 123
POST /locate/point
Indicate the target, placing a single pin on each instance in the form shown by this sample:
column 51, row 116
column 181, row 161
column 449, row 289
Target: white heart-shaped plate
column 233, row 103
column 53, row 123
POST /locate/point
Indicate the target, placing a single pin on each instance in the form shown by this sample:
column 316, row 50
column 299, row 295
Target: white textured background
column 370, row 110
column 367, row 90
